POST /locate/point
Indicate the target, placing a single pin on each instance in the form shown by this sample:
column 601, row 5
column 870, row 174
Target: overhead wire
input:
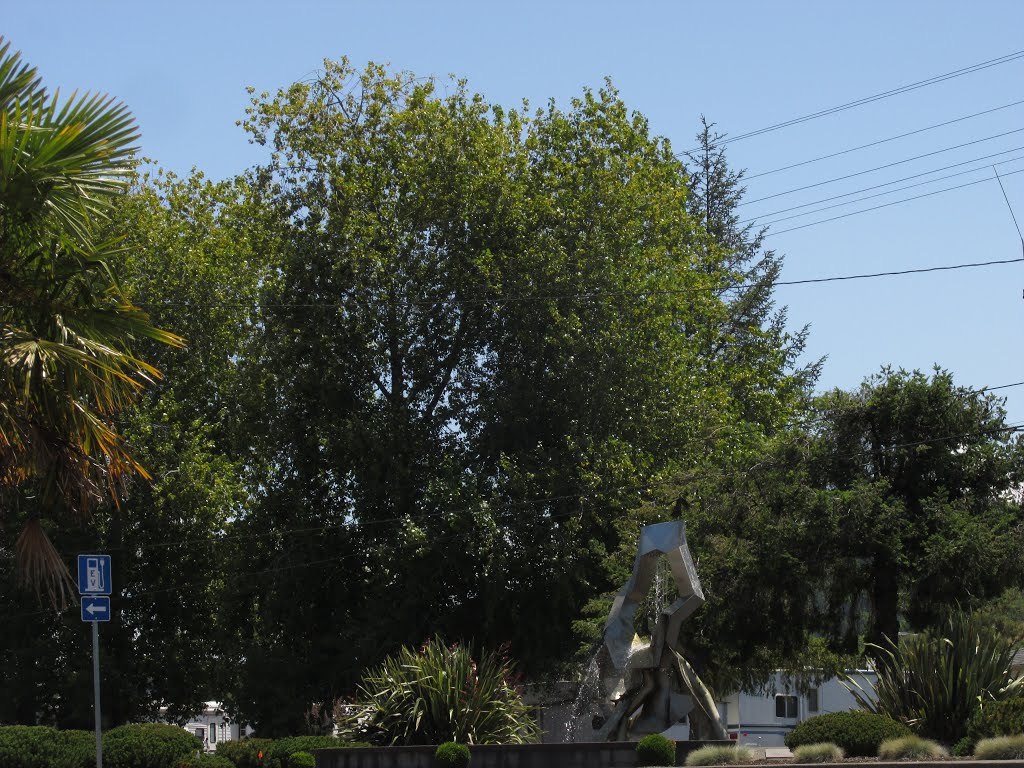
column 877, row 97
column 748, row 177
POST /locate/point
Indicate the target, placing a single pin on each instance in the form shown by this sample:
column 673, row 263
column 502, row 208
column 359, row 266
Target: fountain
column 646, row 685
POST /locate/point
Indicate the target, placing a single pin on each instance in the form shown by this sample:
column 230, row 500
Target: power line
column 1012, row 214
column 878, row 168
column 890, row 183
column 883, row 194
column 882, row 141
column 895, row 202
column 879, row 96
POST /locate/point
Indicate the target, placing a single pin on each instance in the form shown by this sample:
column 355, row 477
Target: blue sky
column 183, row 67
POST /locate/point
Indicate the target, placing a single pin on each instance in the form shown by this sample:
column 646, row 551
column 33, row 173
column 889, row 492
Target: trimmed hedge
column 858, row 734
column 206, row 761
column 302, row 760
column 244, row 753
column 655, row 749
column 451, row 754
column 148, row 745
column 38, row 746
column 283, row 749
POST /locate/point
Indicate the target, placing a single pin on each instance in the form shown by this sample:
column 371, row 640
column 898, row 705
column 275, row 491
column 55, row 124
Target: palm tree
column 66, row 328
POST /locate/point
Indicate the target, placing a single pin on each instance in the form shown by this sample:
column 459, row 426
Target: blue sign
column 95, row 608
column 94, row 575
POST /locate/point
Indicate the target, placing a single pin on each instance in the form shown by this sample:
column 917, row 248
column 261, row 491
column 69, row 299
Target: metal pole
column 96, row 690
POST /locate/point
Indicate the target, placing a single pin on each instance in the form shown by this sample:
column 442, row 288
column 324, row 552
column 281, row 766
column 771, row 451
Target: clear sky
column 182, row 68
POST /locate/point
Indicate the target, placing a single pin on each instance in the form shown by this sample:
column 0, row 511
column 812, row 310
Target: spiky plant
column 437, row 694
column 934, row 681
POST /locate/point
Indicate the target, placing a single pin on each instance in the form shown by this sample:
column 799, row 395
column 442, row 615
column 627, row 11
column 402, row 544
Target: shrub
column 440, row 694
column 825, row 752
column 205, row 761
column 148, row 745
column 964, row 747
column 858, row 734
column 451, row 754
column 934, row 680
column 245, row 752
column 655, row 749
column 719, row 756
column 1000, row 748
column 36, row 746
column 996, row 718
column 910, row 748
column 301, row 760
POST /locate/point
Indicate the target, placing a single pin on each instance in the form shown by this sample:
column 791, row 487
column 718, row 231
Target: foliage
column 244, row 753
column 452, row 754
column 1004, row 614
column 301, row 760
column 825, row 752
column 204, row 760
column 439, row 694
column 68, row 330
column 935, row 680
column 996, row 718
column 1000, row 748
column 23, row 746
column 284, row 749
column 148, row 745
column 858, row 734
column 719, row 756
column 655, row 749
column 910, row 748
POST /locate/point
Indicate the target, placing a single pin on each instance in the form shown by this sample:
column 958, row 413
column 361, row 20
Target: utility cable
column 879, row 96
column 881, row 141
column 1012, row 214
column 878, row 168
column 887, row 205
column 890, row 183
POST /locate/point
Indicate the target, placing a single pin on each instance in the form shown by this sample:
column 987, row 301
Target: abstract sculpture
column 657, row 688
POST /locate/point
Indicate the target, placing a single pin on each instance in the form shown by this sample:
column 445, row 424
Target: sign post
column 94, row 585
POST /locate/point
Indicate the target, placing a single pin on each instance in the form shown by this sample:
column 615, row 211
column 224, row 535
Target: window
column 213, row 733
column 812, row 700
column 201, row 734
column 785, row 706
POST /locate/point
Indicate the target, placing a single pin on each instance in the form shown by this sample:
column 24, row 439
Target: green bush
column 36, row 746
column 719, row 756
column 205, row 761
column 244, row 753
column 858, row 734
column 825, row 752
column 283, row 749
column 301, row 760
column 964, row 747
column 996, row 718
column 910, row 748
column 148, row 745
column 935, row 679
column 437, row 694
column 1000, row 748
column 451, row 754
column 655, row 749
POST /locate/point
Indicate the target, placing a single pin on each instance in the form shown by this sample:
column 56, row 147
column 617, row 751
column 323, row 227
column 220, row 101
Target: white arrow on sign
column 95, row 609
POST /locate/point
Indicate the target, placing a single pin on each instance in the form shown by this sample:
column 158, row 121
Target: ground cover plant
column 719, row 756
column 911, row 748
column 825, row 752
column 655, row 749
column 1000, row 748
column 440, row 693
column 859, row 734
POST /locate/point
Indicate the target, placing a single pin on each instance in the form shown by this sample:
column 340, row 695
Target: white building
column 212, row 726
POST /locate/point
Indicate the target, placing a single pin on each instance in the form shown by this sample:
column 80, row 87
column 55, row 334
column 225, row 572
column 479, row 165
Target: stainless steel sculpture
column 652, row 687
